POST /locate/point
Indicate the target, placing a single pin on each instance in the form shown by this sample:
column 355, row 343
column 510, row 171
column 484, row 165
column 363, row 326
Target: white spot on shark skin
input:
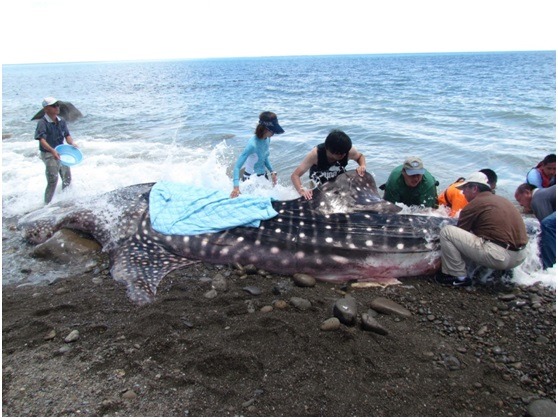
column 329, row 240
column 400, row 246
column 257, row 242
column 301, row 223
column 279, row 220
column 274, row 250
column 302, row 235
column 186, row 239
column 224, row 251
column 340, row 259
column 299, row 255
column 369, row 243
column 328, row 227
column 352, row 246
column 240, row 239
column 401, row 230
column 278, row 230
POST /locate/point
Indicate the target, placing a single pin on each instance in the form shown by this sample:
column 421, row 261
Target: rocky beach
column 236, row 341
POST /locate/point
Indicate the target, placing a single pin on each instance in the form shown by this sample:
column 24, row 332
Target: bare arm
column 70, row 141
column 357, row 156
column 310, row 160
column 48, row 148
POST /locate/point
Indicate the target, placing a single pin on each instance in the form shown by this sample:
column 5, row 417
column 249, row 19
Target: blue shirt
column 261, row 149
column 53, row 133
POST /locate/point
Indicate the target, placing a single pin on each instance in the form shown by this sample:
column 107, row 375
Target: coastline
column 235, row 349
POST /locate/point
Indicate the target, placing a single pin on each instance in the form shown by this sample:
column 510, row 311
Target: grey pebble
column 387, row 306
column 211, row 294
column 63, row 349
column 129, row 394
column 371, row 324
column 345, row 309
column 300, row 303
column 542, row 408
column 72, row 336
column 332, row 323
column 303, row 280
column 253, row 290
column 219, row 283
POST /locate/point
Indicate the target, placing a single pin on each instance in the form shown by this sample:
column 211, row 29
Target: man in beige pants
column 490, row 232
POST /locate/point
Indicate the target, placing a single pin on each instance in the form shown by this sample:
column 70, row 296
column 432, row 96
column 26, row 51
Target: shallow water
column 188, row 120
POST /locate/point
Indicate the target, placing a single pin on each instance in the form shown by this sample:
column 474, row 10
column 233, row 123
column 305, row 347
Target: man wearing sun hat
column 490, row 232
column 51, row 131
column 411, row 184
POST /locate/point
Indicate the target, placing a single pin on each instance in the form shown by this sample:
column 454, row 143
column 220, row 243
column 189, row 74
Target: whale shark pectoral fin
column 142, row 266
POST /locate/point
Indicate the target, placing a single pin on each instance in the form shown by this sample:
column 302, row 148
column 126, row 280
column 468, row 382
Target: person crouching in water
column 257, row 150
column 411, row 184
column 328, row 160
column 490, row 232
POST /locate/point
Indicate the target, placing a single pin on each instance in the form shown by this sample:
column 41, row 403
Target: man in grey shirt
column 542, row 203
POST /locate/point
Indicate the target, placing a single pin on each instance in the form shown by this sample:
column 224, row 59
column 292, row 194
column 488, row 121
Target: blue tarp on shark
column 345, row 233
column 179, row 209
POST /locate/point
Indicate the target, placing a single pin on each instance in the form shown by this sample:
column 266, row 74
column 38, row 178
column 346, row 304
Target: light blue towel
column 180, row 209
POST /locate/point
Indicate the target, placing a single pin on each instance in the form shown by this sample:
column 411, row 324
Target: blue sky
column 106, row 30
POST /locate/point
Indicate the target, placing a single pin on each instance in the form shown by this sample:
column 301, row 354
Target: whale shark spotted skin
column 345, row 233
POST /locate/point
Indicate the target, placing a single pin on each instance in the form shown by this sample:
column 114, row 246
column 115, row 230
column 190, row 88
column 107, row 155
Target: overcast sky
column 38, row 31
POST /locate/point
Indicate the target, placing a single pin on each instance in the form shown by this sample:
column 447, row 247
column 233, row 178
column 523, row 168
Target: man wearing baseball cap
column 51, row 131
column 411, row 184
column 490, row 232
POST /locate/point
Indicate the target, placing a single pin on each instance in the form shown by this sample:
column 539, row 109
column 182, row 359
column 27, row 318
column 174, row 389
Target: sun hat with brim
column 273, row 126
column 413, row 166
column 48, row 101
column 477, row 177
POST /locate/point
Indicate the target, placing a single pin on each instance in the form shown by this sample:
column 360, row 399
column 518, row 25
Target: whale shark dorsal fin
column 141, row 265
column 349, row 192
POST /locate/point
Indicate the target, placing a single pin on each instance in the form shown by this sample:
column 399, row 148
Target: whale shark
column 345, row 233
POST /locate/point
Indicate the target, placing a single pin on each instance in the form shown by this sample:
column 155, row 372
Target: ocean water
column 188, row 120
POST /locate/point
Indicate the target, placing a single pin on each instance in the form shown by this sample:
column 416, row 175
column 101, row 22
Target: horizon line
column 104, row 61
